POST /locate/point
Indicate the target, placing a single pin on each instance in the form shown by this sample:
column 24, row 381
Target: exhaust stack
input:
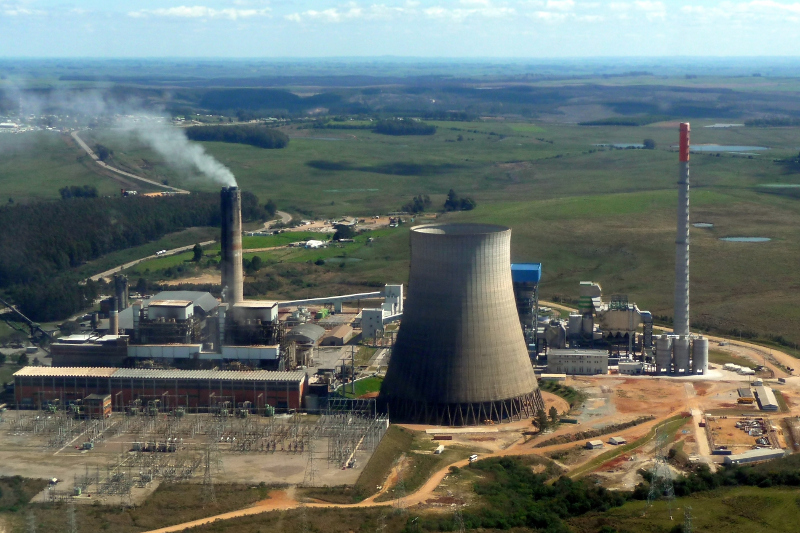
column 231, row 245
column 681, row 314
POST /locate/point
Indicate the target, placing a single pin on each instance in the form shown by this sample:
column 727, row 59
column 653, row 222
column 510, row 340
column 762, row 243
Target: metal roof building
column 753, row 456
column 766, row 399
column 203, row 300
column 460, row 357
column 188, row 388
column 306, row 334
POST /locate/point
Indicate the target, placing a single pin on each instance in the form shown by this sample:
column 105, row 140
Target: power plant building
column 578, row 362
column 460, row 357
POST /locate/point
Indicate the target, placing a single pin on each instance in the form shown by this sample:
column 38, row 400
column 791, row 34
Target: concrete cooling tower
column 460, row 356
column 232, row 277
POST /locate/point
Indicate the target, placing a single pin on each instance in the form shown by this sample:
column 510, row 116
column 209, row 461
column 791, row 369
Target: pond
column 726, row 148
column 703, row 225
column 339, row 260
column 781, row 185
column 745, row 239
column 621, row 145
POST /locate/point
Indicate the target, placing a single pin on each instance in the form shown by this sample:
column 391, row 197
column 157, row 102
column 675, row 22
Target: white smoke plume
column 87, row 106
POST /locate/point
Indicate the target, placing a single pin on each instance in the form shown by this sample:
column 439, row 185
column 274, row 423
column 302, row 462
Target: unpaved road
column 96, row 159
column 174, row 251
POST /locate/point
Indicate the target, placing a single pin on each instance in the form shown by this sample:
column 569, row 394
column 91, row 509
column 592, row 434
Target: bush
column 259, row 136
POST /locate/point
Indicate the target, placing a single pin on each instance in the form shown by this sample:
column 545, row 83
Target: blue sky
column 420, row 28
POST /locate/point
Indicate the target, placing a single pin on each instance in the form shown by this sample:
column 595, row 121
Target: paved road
column 174, row 251
column 284, row 217
column 122, row 172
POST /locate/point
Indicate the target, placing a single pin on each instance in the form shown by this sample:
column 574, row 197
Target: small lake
column 726, row 148
column 339, row 260
column 324, row 138
column 745, row 239
column 781, row 185
column 703, row 225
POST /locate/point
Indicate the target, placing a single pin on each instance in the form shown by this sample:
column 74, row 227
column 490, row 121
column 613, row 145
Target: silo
column 663, row 353
column 700, row 355
column 680, row 354
column 460, row 356
column 574, row 325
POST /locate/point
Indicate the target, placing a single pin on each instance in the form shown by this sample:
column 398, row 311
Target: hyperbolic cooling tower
column 231, row 244
column 460, row 356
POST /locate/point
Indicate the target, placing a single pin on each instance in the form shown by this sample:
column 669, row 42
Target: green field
column 585, row 212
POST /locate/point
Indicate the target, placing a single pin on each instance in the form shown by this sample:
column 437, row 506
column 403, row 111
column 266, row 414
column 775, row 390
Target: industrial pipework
column 460, row 357
column 232, row 277
column 681, row 314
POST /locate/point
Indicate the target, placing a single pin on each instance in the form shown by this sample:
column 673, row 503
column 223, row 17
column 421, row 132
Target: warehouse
column 196, row 389
column 338, row 336
column 766, row 399
column 753, row 456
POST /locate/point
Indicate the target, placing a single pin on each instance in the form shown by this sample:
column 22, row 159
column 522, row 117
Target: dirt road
column 174, row 251
column 122, row 172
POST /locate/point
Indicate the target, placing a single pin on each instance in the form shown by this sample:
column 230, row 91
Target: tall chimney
column 681, row 315
column 231, row 244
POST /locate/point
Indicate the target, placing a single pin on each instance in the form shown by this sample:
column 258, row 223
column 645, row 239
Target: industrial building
column 578, row 362
column 754, row 456
column 36, row 386
column 766, row 399
column 460, row 356
column 525, row 279
column 339, row 336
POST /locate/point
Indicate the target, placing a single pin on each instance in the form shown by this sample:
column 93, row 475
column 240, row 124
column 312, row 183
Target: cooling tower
column 460, row 356
column 231, row 245
column 663, row 353
column 700, row 355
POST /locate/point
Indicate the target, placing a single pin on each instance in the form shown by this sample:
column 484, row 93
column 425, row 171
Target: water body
column 725, row 126
column 745, row 239
column 726, row 148
column 339, row 260
column 351, row 190
column 703, row 225
column 781, row 185
column 325, row 138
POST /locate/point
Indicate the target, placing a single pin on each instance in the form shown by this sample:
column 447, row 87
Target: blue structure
column 525, row 280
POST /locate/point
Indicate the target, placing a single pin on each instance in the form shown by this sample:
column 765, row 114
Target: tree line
column 42, row 244
column 404, row 127
column 259, row 136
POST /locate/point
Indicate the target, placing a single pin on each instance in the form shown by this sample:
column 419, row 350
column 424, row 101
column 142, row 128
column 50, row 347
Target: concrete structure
column 197, row 389
column 371, row 323
column 232, row 277
column 306, row 334
column 525, row 279
column 552, row 377
column 594, row 444
column 700, row 355
column 90, row 350
column 460, row 356
column 754, row 456
column 338, row 336
column 664, row 354
column 113, row 318
column 97, row 406
column 581, row 362
column 631, row 368
column 766, row 399
column 681, row 314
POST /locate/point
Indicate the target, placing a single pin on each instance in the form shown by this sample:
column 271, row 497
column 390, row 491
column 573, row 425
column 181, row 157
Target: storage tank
column 588, row 324
column 700, row 355
column 663, row 353
column 460, row 357
column 680, row 354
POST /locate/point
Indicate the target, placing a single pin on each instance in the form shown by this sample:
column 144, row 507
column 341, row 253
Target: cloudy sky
column 419, row 28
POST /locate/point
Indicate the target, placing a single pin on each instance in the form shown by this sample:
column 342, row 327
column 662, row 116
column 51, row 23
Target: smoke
column 179, row 152
column 147, row 124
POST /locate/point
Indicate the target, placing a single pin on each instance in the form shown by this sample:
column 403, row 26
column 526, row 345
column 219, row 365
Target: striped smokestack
column 681, row 315
column 231, row 245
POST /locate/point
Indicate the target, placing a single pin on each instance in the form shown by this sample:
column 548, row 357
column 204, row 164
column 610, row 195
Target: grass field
column 721, row 358
column 363, row 386
column 585, row 212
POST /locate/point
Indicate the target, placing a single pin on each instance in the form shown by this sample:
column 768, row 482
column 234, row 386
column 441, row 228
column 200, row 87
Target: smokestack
column 231, row 244
column 681, row 315
column 113, row 318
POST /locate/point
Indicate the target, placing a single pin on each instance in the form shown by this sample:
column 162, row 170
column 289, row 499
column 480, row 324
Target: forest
column 40, row 245
column 259, row 136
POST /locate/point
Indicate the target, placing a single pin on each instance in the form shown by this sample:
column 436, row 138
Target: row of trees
column 259, row 136
column 422, row 203
column 77, row 191
column 404, row 127
column 40, row 246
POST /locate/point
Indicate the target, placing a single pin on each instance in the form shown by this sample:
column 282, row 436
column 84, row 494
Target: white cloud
column 200, row 12
column 460, row 14
column 755, row 10
column 560, row 5
column 352, row 11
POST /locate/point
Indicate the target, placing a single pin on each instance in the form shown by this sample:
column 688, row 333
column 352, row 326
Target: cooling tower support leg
column 468, row 414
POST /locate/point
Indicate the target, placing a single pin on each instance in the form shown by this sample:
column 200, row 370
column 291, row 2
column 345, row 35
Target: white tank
column 700, row 355
column 663, row 353
column 680, row 354
column 574, row 327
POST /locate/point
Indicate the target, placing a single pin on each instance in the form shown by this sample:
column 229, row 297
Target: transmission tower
column 208, row 479
column 400, row 495
column 73, row 526
column 304, row 519
column 31, row 521
column 687, row 519
column 458, row 520
column 381, row 523
column 661, row 480
column 310, row 475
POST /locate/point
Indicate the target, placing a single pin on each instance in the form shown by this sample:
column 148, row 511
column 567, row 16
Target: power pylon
column 209, row 496
column 661, row 480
